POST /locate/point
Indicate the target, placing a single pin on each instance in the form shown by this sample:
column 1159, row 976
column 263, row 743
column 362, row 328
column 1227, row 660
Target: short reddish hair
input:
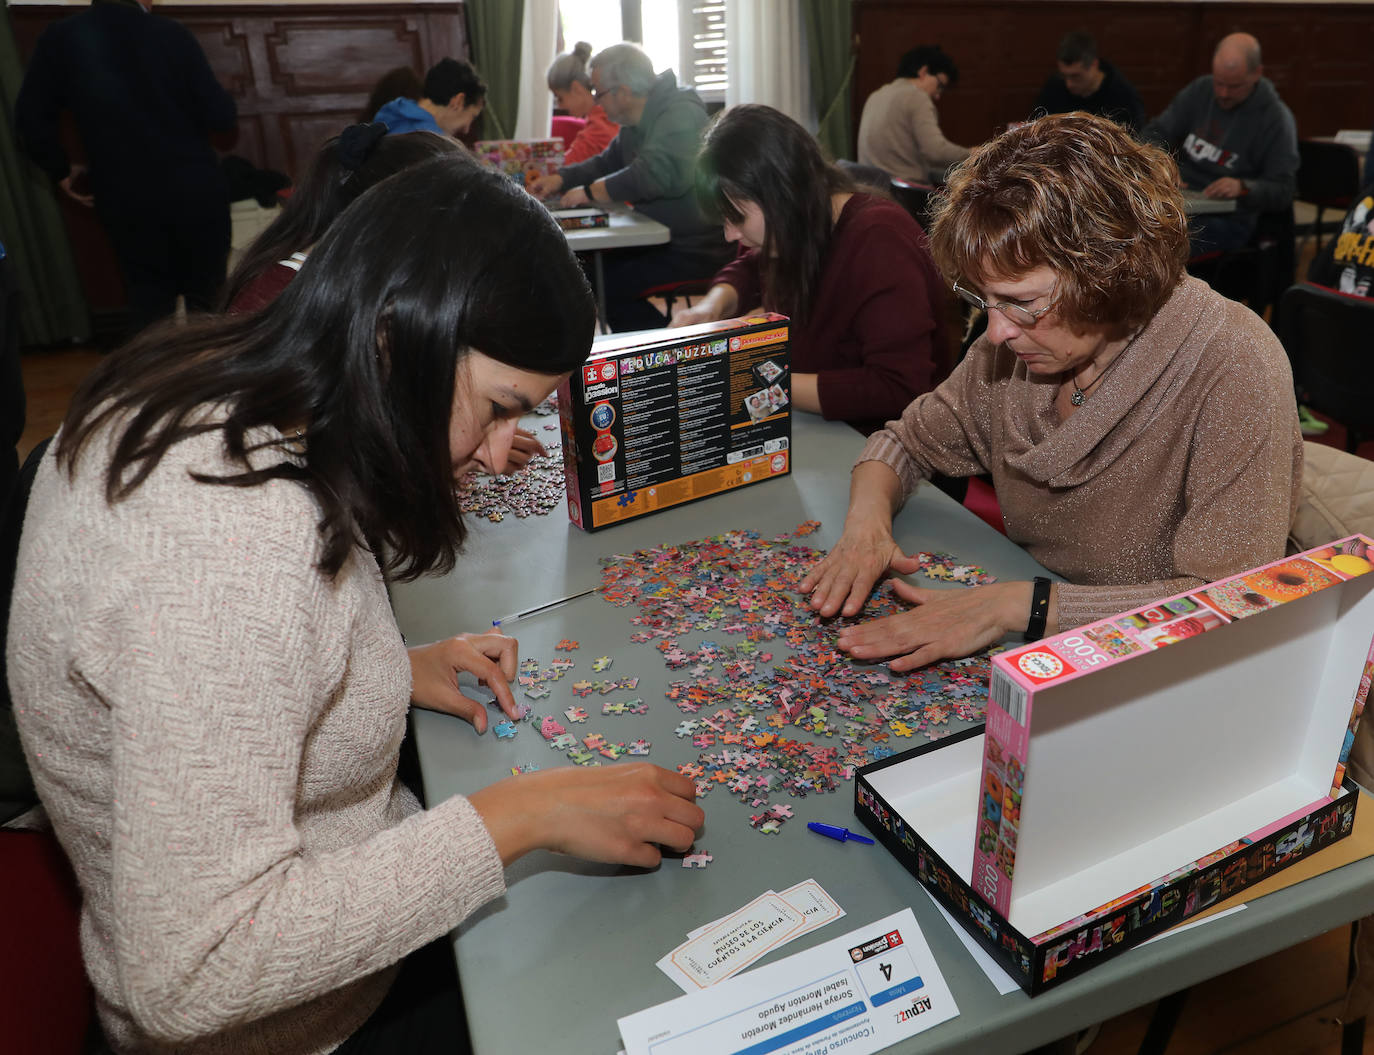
column 1077, row 194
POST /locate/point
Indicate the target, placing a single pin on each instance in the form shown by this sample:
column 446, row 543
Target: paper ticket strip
column 726, row 946
column 858, row 993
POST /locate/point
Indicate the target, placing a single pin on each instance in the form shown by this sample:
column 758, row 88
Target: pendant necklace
column 1080, row 395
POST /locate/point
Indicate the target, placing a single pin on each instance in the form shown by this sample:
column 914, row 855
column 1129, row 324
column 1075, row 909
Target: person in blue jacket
column 145, row 102
column 453, row 96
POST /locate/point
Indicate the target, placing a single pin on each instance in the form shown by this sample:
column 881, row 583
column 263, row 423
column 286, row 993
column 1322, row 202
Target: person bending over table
column 357, row 159
column 1140, row 429
column 649, row 165
column 853, row 270
column 208, row 679
column 572, row 91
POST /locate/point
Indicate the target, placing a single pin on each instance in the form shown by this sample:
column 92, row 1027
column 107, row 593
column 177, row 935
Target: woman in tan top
column 1140, row 429
column 208, row 681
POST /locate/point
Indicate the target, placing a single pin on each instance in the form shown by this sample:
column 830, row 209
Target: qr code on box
column 605, row 473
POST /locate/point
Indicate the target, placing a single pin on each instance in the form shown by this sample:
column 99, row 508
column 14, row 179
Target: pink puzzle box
column 1134, row 771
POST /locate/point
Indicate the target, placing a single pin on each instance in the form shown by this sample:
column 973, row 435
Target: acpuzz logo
column 918, row 1006
column 1199, row 149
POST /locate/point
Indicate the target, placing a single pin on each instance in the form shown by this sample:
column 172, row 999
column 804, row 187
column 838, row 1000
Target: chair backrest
column 914, row 198
column 16, row 786
column 567, row 129
column 1327, row 336
column 867, row 175
column 1328, row 173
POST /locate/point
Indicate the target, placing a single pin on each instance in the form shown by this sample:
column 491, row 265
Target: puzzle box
column 1149, row 789
column 662, row 417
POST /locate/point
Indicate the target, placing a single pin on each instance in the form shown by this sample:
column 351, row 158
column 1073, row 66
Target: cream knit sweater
column 214, row 727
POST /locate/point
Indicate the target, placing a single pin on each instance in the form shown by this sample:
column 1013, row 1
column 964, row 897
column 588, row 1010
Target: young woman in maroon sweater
column 851, row 269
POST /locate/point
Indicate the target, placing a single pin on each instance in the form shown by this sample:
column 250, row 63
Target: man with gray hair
column 651, row 164
column 1235, row 139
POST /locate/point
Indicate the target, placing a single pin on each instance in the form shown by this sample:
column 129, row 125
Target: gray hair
column 625, row 65
column 570, row 68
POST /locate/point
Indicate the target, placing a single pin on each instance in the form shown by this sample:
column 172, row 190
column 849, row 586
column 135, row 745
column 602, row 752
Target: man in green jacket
column 650, row 164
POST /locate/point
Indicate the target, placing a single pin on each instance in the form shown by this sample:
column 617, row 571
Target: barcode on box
column 1009, row 696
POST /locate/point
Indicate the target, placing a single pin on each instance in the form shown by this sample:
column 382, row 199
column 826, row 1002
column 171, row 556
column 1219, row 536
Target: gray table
column 572, row 946
column 626, row 230
column 1195, row 203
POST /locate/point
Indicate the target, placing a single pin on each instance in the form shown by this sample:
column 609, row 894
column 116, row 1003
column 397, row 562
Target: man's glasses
column 600, row 93
column 1017, row 314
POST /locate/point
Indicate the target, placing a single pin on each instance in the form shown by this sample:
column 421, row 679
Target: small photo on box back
column 758, row 405
column 767, row 372
column 777, row 398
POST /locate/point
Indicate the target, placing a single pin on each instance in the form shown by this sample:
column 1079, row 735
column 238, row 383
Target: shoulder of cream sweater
column 94, row 556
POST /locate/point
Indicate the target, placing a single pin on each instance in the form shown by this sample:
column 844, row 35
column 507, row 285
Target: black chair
column 16, row 787
column 1328, row 177
column 864, row 175
column 1259, row 272
column 1327, row 337
column 914, row 198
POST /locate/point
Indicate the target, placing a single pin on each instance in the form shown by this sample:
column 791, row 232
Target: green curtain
column 829, row 33
column 494, row 33
column 52, row 307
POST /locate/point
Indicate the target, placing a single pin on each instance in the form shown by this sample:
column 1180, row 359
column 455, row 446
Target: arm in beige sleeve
column 925, row 128
column 946, row 430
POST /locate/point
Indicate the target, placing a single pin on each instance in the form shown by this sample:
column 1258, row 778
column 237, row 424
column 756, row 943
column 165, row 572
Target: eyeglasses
column 600, row 93
column 941, row 84
column 1017, row 314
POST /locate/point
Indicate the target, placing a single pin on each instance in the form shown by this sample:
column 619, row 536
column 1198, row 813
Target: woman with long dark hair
column 207, row 676
column 350, row 163
column 850, row 268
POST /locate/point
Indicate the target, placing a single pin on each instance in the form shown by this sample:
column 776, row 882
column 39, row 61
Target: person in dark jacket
column 1234, row 139
column 1090, row 83
column 650, row 164
column 145, row 101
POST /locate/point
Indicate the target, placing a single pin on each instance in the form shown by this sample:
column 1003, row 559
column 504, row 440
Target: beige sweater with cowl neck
column 214, row 726
column 1182, row 467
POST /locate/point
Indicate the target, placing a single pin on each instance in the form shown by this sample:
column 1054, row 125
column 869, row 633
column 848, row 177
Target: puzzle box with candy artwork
column 662, row 417
column 1136, row 770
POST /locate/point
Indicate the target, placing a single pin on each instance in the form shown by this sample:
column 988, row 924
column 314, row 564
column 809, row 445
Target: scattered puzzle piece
column 697, row 859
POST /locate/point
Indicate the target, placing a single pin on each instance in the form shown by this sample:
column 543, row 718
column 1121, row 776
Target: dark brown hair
column 363, row 350
column 756, row 154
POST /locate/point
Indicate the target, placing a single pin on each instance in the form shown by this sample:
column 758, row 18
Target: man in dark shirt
column 1090, row 83
column 145, row 102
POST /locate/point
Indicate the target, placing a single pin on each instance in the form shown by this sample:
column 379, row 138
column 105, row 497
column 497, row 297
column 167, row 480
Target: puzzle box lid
column 1245, row 718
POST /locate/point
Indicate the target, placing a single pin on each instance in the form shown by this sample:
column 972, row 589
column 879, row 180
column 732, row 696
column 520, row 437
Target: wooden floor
column 1283, row 1005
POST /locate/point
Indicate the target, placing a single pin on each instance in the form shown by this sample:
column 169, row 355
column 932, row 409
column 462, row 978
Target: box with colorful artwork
column 522, row 160
column 662, row 417
column 1134, row 771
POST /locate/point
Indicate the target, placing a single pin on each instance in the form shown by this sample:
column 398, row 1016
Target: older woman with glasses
column 1140, row 429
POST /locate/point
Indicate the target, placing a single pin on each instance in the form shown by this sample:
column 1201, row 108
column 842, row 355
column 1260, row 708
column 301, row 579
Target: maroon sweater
column 876, row 317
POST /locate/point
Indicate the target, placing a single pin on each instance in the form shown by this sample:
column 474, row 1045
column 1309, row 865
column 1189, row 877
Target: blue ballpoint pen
column 834, row 831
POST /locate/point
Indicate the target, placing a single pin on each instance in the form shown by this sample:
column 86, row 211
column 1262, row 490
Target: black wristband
column 1039, row 610
column 587, row 190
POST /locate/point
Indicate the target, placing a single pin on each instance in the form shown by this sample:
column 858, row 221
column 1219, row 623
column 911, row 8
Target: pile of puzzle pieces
column 738, row 698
